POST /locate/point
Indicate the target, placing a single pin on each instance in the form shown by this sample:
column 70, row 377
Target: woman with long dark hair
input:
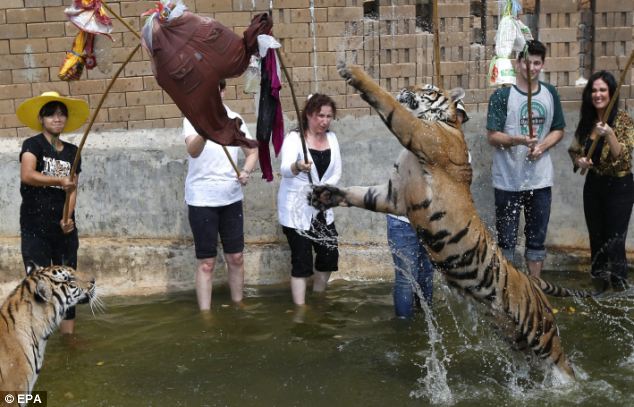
column 608, row 192
column 306, row 228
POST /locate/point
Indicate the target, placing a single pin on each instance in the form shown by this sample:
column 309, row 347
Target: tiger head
column 428, row 102
column 59, row 287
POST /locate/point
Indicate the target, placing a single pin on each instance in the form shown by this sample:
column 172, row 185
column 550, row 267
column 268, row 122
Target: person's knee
column 235, row 259
column 207, row 266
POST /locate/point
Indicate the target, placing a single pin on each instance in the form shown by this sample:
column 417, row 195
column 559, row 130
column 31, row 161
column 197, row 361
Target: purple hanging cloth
column 270, row 120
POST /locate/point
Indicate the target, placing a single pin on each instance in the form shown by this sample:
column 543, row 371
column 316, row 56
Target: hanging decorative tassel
column 73, row 65
column 90, row 17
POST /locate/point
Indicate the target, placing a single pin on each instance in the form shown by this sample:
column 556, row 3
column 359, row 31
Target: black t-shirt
column 321, row 159
column 42, row 207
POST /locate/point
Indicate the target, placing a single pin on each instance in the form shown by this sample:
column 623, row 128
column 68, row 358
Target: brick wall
column 34, row 35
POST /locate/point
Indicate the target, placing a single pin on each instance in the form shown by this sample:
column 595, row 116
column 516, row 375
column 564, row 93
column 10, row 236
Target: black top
column 42, row 207
column 321, row 160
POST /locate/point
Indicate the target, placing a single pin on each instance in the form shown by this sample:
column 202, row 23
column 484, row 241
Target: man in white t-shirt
column 213, row 193
column 522, row 169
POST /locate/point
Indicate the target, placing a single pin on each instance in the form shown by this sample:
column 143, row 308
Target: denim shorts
column 536, row 206
column 412, row 266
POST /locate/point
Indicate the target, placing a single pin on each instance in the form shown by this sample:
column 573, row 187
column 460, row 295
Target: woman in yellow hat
column 45, row 163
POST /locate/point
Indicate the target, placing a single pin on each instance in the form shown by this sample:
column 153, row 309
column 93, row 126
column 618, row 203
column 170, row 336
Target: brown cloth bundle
column 191, row 54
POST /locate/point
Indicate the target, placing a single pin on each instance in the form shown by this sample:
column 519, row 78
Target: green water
column 347, row 350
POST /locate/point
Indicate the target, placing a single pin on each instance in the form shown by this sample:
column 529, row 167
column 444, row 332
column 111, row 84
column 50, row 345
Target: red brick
column 127, row 84
column 12, row 31
column 15, row 91
column 59, row 86
column 55, row 13
column 135, row 8
column 162, row 112
column 42, row 3
column 213, row 6
column 138, row 68
column 302, row 15
column 45, row 30
column 149, row 83
column 25, row 15
column 9, row 120
column 12, row 132
column 232, row 18
column 30, row 75
column 146, row 124
column 291, row 30
column 174, row 123
column 5, row 77
column 87, row 87
column 27, row 46
column 345, row 13
column 328, row 3
column 113, row 99
column 153, row 97
column 124, row 114
column 9, row 4
column 329, row 29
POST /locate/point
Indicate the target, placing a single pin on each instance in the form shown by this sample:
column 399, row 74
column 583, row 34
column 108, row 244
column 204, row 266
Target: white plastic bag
column 252, row 76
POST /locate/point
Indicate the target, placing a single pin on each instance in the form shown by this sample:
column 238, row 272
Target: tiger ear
column 31, row 267
column 43, row 291
column 456, row 94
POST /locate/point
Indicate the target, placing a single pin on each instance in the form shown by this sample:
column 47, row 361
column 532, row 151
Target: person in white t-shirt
column 213, row 193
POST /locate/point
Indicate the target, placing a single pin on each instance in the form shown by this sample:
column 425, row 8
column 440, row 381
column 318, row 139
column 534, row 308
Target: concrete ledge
column 149, row 266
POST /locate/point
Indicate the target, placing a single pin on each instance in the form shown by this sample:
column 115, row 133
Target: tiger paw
column 324, row 197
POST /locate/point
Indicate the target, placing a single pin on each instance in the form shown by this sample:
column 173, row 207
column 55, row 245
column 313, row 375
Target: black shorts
column 323, row 242
column 52, row 248
column 207, row 222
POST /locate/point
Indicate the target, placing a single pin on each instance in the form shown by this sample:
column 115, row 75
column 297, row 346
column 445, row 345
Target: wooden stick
column 437, row 75
column 133, row 31
column 290, row 85
column 529, row 93
column 299, row 118
column 233, row 164
column 118, row 17
column 608, row 109
column 92, row 121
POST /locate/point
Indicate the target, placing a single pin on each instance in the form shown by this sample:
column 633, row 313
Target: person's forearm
column 552, row 139
column 195, row 145
column 250, row 159
column 500, row 139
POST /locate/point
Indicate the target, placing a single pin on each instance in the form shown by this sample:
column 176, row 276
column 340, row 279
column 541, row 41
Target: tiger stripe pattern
column 29, row 316
column 430, row 185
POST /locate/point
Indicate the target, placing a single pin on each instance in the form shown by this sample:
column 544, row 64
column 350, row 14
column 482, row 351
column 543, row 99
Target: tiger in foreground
column 430, row 185
column 30, row 315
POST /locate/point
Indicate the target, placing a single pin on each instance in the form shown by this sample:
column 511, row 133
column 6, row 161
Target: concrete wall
column 135, row 234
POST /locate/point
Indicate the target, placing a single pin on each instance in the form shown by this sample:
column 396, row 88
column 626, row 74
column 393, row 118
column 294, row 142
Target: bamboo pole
column 92, row 121
column 437, row 75
column 529, row 93
column 608, row 110
column 292, row 89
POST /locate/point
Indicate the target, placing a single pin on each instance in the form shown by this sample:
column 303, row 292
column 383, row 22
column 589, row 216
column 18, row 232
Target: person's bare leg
column 298, row 290
column 204, row 282
column 67, row 327
column 534, row 268
column 235, row 275
column 320, row 281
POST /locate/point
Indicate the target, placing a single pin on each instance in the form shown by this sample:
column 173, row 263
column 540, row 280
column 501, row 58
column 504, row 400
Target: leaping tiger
column 30, row 315
column 431, row 186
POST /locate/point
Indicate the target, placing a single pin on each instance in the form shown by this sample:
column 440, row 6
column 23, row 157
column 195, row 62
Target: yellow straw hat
column 28, row 112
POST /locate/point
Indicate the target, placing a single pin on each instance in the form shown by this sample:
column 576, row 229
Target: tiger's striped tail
column 557, row 291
